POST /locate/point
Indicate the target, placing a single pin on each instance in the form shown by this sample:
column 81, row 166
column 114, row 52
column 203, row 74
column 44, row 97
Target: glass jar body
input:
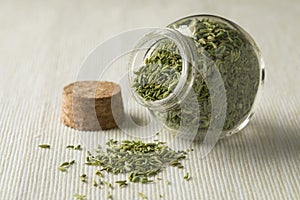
column 221, row 74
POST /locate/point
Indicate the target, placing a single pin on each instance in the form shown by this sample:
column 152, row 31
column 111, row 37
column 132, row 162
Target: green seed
column 142, row 195
column 187, row 176
column 44, row 146
column 95, row 183
column 83, row 178
column 122, row 183
column 63, row 169
column 109, row 185
column 79, row 196
column 78, row 147
column 98, row 173
column 109, row 195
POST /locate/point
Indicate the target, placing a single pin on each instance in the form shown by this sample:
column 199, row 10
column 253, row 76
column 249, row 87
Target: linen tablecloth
column 42, row 46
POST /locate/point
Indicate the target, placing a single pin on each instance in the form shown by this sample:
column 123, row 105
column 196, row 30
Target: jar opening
column 152, row 56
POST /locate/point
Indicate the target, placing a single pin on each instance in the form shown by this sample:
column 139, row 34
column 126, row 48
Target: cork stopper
column 92, row 105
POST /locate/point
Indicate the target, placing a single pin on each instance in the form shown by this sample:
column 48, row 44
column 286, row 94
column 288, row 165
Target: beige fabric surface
column 42, row 46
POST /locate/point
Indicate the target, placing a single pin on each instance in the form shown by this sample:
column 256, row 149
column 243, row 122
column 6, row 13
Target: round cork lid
column 87, row 105
column 92, row 89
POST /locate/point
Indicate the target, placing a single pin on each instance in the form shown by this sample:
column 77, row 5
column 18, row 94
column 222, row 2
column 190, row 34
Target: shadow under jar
column 200, row 73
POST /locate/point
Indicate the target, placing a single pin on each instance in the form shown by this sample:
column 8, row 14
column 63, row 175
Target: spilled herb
column 141, row 160
column 83, row 178
column 109, row 195
column 187, row 176
column 122, row 183
column 44, row 146
column 65, row 165
column 142, row 195
column 79, row 196
column 77, row 147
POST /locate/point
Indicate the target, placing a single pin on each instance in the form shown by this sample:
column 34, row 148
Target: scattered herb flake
column 63, row 167
column 44, row 146
column 79, row 196
column 109, row 195
column 187, row 176
column 122, row 183
column 83, row 178
column 142, row 195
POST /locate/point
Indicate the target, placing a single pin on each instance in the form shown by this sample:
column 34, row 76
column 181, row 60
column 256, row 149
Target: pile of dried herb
column 218, row 44
column 140, row 160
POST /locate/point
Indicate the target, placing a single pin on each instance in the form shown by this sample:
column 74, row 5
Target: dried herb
column 187, row 176
column 109, row 196
column 218, row 44
column 98, row 173
column 109, row 185
column 142, row 195
column 79, row 196
column 44, row 146
column 95, row 183
column 77, row 147
column 122, row 183
column 141, row 160
column 63, row 167
column 168, row 183
column 83, row 178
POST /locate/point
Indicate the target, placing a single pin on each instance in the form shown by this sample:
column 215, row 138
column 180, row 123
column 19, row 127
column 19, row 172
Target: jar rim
column 185, row 51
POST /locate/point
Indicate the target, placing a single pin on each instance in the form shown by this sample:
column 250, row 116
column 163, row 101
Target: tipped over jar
column 201, row 72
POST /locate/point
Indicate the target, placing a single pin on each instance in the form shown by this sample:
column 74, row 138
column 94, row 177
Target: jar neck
column 186, row 49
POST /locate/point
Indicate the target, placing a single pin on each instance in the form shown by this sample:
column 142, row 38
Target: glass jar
column 201, row 73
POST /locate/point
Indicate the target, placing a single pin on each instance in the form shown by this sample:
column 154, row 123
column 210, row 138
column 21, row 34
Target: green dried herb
column 79, row 196
column 187, row 176
column 122, row 183
column 141, row 160
column 168, row 182
column 83, row 178
column 77, row 147
column 95, row 183
column 63, row 167
column 98, row 173
column 218, row 44
column 44, row 146
column 109, row 195
column 142, row 195
column 109, row 185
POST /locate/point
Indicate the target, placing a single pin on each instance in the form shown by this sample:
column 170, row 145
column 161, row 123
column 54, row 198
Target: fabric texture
column 42, row 46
